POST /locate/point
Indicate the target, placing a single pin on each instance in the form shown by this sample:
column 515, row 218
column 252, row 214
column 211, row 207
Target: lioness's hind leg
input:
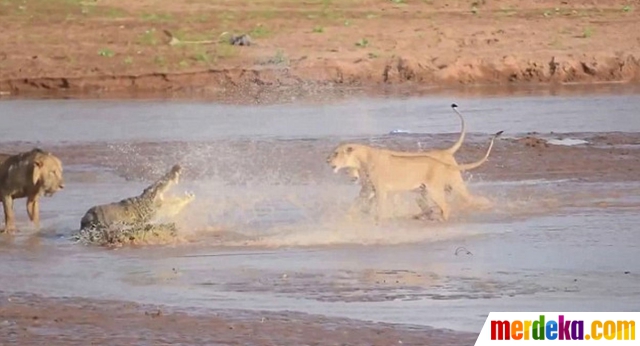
column 426, row 207
column 460, row 187
column 439, row 198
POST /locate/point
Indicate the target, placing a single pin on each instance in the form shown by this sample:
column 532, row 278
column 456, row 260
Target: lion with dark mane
column 29, row 174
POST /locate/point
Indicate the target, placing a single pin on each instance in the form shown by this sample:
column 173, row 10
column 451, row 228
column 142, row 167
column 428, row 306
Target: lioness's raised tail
column 454, row 148
column 460, row 167
column 470, row 166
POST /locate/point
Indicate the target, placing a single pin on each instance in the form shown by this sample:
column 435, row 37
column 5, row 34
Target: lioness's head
column 47, row 172
column 343, row 157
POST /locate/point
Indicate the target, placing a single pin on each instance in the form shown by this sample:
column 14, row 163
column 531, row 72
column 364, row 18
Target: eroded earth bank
column 118, row 48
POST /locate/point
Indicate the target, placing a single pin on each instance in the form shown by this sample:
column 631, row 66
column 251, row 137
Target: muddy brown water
column 268, row 231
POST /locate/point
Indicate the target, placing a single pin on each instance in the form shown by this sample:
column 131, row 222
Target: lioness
column 389, row 172
column 367, row 193
column 28, row 174
column 142, row 209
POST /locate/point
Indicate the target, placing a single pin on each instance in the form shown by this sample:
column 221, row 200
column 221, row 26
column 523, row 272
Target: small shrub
column 278, row 59
column 159, row 60
column 363, row 42
column 202, row 57
column 259, row 31
column 106, row 52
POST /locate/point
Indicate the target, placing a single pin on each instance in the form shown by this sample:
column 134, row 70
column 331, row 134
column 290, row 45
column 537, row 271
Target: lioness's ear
column 349, row 150
column 37, row 165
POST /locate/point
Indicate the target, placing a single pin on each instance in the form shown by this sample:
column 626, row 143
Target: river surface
column 267, row 231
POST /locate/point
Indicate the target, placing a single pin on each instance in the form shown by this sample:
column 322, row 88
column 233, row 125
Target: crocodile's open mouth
column 165, row 183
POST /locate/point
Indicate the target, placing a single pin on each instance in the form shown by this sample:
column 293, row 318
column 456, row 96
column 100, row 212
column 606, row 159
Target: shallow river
column 267, row 231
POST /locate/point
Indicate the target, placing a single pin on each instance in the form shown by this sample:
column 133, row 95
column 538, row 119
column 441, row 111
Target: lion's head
column 344, row 157
column 47, row 173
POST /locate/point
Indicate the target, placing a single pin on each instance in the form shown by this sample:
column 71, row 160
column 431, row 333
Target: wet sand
column 277, row 244
column 31, row 320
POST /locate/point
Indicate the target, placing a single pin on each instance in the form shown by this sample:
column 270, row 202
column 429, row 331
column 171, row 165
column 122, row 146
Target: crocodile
column 140, row 211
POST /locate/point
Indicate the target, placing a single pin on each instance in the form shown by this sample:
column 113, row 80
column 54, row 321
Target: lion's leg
column 33, row 210
column 9, row 218
column 36, row 213
column 30, row 208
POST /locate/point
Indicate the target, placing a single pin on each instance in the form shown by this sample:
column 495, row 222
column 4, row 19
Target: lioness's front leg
column 365, row 197
column 9, row 218
column 381, row 199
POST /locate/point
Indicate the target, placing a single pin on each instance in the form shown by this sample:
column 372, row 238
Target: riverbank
column 108, row 47
column 34, row 320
